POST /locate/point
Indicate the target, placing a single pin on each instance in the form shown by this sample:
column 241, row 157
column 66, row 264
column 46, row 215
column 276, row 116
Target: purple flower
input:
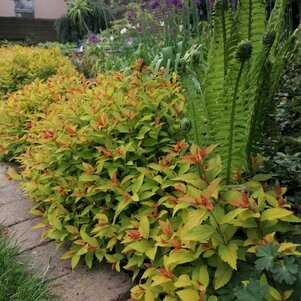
column 177, row 3
column 197, row 2
column 143, row 5
column 129, row 40
column 93, row 38
column 132, row 15
column 155, row 4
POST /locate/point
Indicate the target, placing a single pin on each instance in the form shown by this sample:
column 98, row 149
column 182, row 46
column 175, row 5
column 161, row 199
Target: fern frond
column 250, row 22
column 195, row 109
column 256, row 92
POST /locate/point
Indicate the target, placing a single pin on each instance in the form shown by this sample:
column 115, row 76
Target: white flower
column 181, row 28
column 162, row 23
column 123, row 30
column 111, row 38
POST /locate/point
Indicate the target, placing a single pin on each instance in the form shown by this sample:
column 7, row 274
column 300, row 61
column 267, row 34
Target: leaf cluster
column 109, row 175
column 22, row 65
column 24, row 108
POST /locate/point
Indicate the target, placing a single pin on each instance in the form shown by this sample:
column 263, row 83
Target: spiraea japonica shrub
column 22, row 65
column 108, row 173
column 24, row 108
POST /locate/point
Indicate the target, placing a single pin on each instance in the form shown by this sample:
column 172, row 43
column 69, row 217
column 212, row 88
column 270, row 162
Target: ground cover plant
column 21, row 65
column 113, row 171
column 110, row 172
column 16, row 283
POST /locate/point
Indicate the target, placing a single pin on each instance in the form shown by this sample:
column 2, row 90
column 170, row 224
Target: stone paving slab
column 9, row 193
column 15, row 212
column 100, row 283
column 45, row 260
column 26, row 237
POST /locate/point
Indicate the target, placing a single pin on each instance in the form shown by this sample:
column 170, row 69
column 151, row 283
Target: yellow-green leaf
column 204, row 276
column 71, row 229
column 151, row 253
column 158, row 280
column 179, row 257
column 144, row 226
column 138, row 183
column 232, row 214
column 183, row 281
column 67, row 254
column 275, row 213
column 11, row 172
column 228, row 253
column 74, row 261
column 222, row 275
column 200, row 233
column 188, row 294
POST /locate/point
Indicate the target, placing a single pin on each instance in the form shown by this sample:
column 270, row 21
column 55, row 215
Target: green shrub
column 109, row 174
column 66, row 48
column 25, row 107
column 22, row 65
column 94, row 15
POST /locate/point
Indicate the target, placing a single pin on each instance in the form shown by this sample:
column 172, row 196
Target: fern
column 234, row 89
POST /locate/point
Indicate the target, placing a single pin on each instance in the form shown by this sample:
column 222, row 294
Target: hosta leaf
column 188, row 295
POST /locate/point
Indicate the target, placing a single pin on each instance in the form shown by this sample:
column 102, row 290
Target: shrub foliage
column 27, row 106
column 22, row 65
column 109, row 173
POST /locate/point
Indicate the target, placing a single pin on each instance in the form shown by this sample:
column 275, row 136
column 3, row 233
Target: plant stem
column 230, row 147
column 250, row 20
column 224, row 40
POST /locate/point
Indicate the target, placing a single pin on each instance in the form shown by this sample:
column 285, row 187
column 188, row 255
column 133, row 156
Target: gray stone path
column 98, row 284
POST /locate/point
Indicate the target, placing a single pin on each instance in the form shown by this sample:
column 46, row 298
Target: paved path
column 82, row 284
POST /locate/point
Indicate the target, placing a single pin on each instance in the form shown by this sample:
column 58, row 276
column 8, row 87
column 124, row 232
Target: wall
column 7, row 8
column 48, row 9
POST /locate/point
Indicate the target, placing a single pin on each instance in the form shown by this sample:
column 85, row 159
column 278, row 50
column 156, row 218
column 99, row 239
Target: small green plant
column 16, row 283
